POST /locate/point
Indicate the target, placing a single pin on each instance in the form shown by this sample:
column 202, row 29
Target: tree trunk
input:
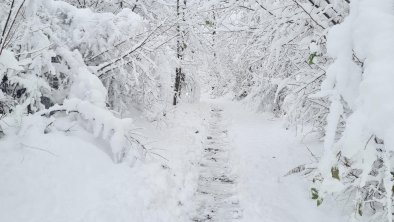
column 179, row 74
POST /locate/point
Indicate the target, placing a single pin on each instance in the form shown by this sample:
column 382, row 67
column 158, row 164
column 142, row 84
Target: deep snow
column 264, row 151
column 69, row 176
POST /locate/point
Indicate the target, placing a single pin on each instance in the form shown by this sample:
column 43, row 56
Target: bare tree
column 180, row 48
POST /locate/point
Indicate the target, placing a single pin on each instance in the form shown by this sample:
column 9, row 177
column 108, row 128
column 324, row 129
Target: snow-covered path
column 216, row 194
column 262, row 152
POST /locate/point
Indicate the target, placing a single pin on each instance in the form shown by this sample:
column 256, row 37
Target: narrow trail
column 217, row 185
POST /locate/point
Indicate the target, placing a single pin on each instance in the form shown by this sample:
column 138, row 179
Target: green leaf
column 315, row 193
column 319, row 202
column 208, row 23
column 335, row 173
column 315, row 196
column 359, row 209
column 310, row 58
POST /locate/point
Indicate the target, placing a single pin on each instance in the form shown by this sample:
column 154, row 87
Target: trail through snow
column 216, row 192
column 242, row 170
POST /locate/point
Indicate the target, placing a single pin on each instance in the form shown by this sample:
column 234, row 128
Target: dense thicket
column 327, row 72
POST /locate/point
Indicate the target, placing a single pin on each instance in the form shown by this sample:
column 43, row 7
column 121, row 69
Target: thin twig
column 38, row 148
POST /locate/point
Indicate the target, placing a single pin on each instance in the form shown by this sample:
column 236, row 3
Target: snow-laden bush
column 43, row 71
column 358, row 166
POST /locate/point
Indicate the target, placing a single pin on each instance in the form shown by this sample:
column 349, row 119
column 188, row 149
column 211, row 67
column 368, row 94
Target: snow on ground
column 216, row 194
column 266, row 151
column 69, row 177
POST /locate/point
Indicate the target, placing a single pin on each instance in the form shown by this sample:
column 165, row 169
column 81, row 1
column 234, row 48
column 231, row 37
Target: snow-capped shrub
column 358, row 84
column 44, row 68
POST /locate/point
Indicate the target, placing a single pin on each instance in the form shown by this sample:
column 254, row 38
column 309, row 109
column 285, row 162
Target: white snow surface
column 8, row 61
column 69, row 176
column 265, row 152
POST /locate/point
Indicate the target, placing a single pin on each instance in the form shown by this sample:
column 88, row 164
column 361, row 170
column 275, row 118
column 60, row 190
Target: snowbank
column 67, row 174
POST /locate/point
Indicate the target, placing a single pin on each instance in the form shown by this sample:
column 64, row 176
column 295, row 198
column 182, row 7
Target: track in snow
column 216, row 192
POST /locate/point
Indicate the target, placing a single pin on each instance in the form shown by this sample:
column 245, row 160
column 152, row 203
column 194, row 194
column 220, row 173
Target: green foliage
column 315, row 196
column 335, row 173
column 209, row 23
column 311, row 57
column 319, row 201
column 315, row 193
column 359, row 209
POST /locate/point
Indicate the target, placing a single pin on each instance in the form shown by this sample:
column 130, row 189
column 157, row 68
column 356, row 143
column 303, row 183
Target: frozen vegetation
column 196, row 110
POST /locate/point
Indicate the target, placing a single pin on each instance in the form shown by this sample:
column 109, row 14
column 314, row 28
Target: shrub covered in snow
column 358, row 84
column 43, row 69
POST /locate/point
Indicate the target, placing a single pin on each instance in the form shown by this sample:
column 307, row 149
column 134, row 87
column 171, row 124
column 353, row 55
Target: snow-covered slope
column 69, row 176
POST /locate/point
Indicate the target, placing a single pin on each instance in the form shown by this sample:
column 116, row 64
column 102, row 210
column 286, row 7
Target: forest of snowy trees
column 323, row 67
